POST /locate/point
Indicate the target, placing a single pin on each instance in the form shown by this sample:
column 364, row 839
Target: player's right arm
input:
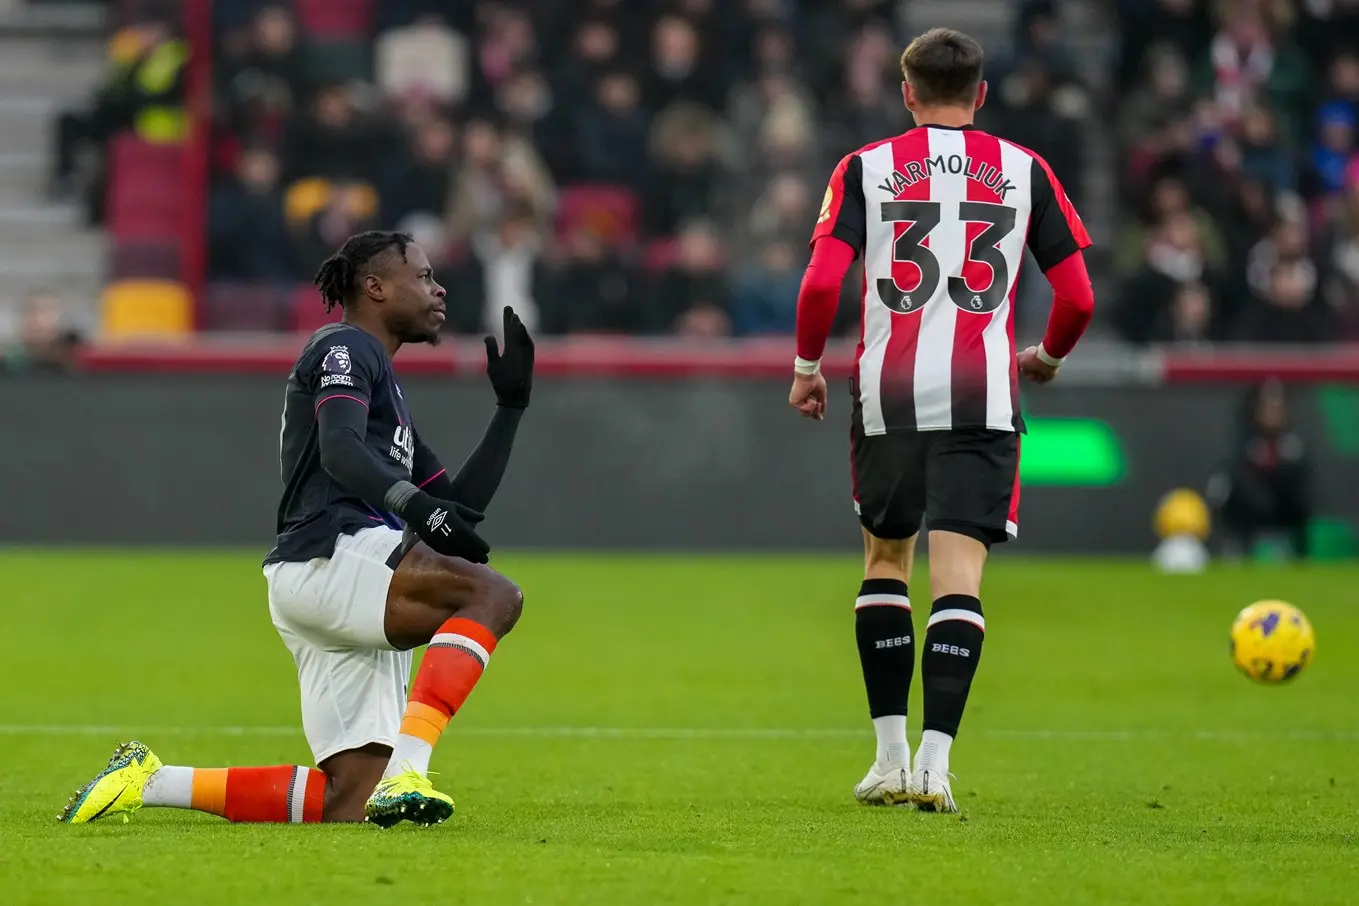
column 1057, row 239
column 344, row 386
column 836, row 241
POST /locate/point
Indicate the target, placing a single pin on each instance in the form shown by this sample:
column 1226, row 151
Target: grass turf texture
column 1111, row 755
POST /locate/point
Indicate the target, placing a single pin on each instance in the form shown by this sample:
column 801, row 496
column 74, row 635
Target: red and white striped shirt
column 942, row 217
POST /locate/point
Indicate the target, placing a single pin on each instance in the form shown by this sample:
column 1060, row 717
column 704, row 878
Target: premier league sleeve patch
column 336, row 366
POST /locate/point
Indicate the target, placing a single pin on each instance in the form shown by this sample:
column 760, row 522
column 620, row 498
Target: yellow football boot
column 116, row 790
column 409, row 796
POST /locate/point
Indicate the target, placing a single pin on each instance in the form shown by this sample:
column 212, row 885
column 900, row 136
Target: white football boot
column 887, row 783
column 930, row 791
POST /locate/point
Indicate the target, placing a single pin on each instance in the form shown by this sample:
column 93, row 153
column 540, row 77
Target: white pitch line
column 702, row 733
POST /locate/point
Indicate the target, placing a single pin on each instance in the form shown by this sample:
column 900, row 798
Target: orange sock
column 280, row 795
column 454, row 661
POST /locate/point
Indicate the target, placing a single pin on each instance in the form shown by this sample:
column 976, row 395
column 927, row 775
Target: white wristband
column 806, row 367
column 1046, row 359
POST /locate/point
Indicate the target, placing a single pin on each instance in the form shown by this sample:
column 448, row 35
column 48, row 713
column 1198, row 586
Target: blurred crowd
column 645, row 166
column 1238, row 173
column 654, row 166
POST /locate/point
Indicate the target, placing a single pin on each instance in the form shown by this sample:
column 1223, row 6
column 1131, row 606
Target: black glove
column 511, row 372
column 446, row 526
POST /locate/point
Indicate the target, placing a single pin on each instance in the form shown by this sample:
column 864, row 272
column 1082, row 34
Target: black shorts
column 965, row 480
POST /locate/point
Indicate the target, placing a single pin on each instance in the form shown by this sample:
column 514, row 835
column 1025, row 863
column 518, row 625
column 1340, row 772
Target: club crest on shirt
column 826, row 205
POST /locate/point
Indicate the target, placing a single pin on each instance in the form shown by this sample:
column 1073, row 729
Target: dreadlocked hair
column 338, row 274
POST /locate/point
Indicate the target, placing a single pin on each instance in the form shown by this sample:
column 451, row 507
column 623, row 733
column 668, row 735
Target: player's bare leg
column 948, row 661
column 460, row 610
column 882, row 627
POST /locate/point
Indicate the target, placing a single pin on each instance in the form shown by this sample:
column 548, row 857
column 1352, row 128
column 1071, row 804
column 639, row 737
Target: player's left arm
column 1058, row 238
column 511, row 374
column 836, row 241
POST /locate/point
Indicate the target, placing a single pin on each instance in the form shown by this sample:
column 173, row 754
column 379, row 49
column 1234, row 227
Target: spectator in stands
column 509, row 265
column 247, row 236
column 45, row 343
column 1266, row 482
column 1287, row 308
column 498, row 172
column 529, row 108
column 1333, row 149
column 1341, row 262
column 348, row 208
column 611, row 133
column 333, row 141
column 691, row 296
column 1162, row 95
column 1039, row 38
column 589, row 288
column 1041, row 113
column 1185, row 25
column 418, row 178
column 686, row 172
column 144, row 92
column 678, row 71
column 1245, row 64
column 424, row 59
column 507, row 42
column 595, row 51
column 782, row 211
column 260, row 87
column 1189, row 320
column 870, row 106
column 1168, row 198
column 764, row 290
column 1263, row 155
column 1174, row 256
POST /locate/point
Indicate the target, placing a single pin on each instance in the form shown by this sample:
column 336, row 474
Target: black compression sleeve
column 341, row 423
column 477, row 480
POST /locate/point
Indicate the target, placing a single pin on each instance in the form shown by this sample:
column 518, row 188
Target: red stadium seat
column 335, row 19
column 307, row 312
column 660, row 255
column 144, row 197
column 610, row 211
column 143, row 259
column 245, row 306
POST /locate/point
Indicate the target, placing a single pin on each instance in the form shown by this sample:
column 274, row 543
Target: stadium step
column 44, row 243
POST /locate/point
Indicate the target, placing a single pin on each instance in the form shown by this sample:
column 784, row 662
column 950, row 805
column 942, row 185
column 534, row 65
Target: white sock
column 169, row 787
column 933, row 751
column 892, row 745
column 410, row 752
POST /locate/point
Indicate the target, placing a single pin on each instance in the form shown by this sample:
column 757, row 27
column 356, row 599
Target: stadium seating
column 307, row 312
column 245, row 307
column 144, row 196
column 146, row 309
column 140, row 259
column 612, row 212
column 346, row 20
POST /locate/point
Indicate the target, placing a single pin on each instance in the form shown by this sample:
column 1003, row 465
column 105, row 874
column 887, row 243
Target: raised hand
column 511, row 371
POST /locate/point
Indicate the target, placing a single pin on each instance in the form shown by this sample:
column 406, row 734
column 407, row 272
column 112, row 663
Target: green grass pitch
column 687, row 730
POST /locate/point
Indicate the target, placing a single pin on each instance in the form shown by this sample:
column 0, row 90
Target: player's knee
column 506, row 600
column 888, row 558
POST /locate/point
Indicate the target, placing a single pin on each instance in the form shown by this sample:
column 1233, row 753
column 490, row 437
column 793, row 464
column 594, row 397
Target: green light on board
column 1070, row 452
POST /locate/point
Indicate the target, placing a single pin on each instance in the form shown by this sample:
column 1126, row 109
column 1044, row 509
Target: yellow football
column 1272, row 641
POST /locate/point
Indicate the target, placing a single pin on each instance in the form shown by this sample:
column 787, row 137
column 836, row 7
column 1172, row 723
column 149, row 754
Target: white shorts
column 330, row 614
